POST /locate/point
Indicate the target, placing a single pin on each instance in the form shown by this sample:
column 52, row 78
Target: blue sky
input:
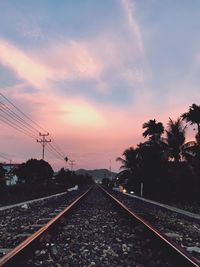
column 102, row 66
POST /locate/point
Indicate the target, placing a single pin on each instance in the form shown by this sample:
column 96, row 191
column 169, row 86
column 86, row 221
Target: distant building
column 10, row 177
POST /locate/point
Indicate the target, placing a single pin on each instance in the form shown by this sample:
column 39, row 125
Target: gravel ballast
column 181, row 229
column 17, row 223
column 97, row 233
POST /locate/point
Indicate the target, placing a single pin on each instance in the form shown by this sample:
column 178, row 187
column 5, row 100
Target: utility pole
column 71, row 164
column 43, row 141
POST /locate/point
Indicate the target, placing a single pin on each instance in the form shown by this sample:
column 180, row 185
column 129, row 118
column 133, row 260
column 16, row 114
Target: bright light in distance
column 124, row 190
column 132, row 192
column 82, row 114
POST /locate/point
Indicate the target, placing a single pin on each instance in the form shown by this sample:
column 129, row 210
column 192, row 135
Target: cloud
column 82, row 114
column 102, row 59
column 62, row 62
column 26, row 67
column 129, row 9
column 67, row 61
column 70, row 60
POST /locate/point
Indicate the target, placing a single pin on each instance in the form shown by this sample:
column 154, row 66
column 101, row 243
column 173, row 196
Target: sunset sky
column 91, row 72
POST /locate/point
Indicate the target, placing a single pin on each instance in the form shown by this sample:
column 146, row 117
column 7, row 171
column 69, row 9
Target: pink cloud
column 73, row 60
column 26, row 67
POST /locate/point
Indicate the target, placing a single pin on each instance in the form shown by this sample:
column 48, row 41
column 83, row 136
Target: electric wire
column 3, row 157
column 16, row 120
column 60, row 155
column 13, row 122
column 52, row 146
column 20, row 124
column 15, row 115
column 50, row 150
column 19, row 110
column 16, row 128
column 57, row 147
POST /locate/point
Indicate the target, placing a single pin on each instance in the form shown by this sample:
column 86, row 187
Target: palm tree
column 151, row 158
column 153, row 129
column 129, row 162
column 193, row 116
column 130, row 172
column 175, row 139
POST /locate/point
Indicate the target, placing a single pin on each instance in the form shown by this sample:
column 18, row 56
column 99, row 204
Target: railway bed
column 20, row 221
column 96, row 231
column 182, row 229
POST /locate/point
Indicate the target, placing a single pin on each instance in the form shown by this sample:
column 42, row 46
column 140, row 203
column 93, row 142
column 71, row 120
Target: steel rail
column 28, row 241
column 195, row 262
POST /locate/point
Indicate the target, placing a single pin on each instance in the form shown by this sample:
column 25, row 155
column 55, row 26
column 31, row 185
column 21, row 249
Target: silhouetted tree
column 2, row 175
column 175, row 139
column 70, row 178
column 151, row 162
column 154, row 130
column 34, row 171
column 129, row 162
column 193, row 116
column 129, row 174
column 63, row 176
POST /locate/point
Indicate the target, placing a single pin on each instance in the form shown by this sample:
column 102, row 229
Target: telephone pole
column 43, row 141
column 71, row 164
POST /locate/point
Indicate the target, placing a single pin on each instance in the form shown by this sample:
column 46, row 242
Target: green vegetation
column 168, row 167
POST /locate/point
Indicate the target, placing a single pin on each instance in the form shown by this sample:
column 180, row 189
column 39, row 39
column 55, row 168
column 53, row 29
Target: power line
column 16, row 120
column 16, row 116
column 50, row 150
column 22, row 112
column 20, row 123
column 3, row 157
column 16, row 128
column 57, row 147
column 60, row 154
column 13, row 122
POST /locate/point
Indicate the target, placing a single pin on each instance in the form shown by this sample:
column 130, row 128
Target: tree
column 34, row 171
column 193, row 116
column 129, row 174
column 129, row 162
column 70, row 178
column 175, row 139
column 64, row 177
column 153, row 129
column 151, row 159
column 2, row 175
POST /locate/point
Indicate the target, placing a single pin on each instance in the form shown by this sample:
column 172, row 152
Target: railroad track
column 97, row 230
column 182, row 229
column 23, row 219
